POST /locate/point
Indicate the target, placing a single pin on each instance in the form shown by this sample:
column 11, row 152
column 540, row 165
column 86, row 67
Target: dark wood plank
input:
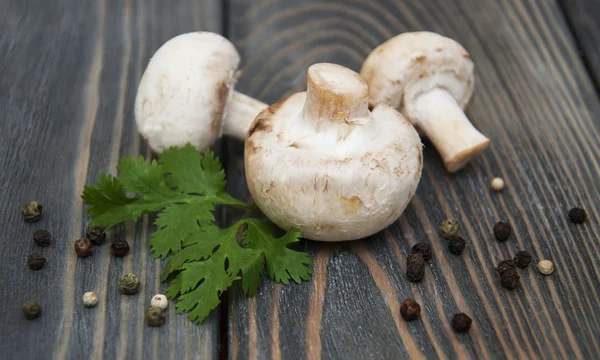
column 583, row 17
column 535, row 101
column 70, row 71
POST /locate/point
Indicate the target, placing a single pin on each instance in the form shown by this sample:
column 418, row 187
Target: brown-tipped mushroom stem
column 241, row 111
column 335, row 95
column 443, row 121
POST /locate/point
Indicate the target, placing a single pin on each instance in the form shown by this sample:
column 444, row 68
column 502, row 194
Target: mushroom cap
column 413, row 63
column 332, row 181
column 183, row 92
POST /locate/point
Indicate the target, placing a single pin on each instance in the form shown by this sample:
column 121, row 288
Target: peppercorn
column 36, row 261
column 119, row 247
column 423, row 248
column 577, row 215
column 505, row 265
column 31, row 310
column 456, row 245
column 83, row 247
column 415, row 267
column 32, row 211
column 129, row 284
column 90, row 299
column 95, row 234
column 42, row 237
column 410, row 310
column 497, row 184
column 159, row 300
column 522, row 259
column 546, row 267
column 450, row 228
column 510, row 279
column 155, row 316
column 461, row 322
column 502, row 231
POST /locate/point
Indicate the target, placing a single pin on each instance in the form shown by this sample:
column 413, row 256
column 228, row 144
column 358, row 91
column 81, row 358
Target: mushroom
column 186, row 94
column 430, row 79
column 322, row 162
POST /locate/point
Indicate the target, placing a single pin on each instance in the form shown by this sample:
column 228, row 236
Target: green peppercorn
column 32, row 211
column 155, row 316
column 450, row 228
column 129, row 284
column 31, row 310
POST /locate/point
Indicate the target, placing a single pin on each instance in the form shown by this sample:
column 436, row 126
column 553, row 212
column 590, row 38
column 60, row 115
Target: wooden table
column 69, row 71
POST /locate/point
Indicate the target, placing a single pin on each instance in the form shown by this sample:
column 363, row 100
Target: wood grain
column 70, row 71
column 536, row 102
column 583, row 17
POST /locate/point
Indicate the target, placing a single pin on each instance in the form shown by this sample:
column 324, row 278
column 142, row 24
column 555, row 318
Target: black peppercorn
column 522, row 259
column 36, row 261
column 119, row 247
column 423, row 248
column 42, row 237
column 456, row 245
column 461, row 322
column 505, row 265
column 32, row 211
column 577, row 215
column 95, row 234
column 415, row 267
column 502, row 231
column 509, row 277
column 31, row 310
column 450, row 228
column 155, row 316
column 83, row 247
column 410, row 310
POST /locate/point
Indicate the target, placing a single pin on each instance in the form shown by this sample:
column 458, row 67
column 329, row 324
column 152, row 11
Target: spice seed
column 36, row 261
column 450, row 228
column 31, row 310
column 577, row 215
column 95, row 234
column 90, row 299
column 119, row 247
column 423, row 248
column 505, row 265
column 155, row 316
column 159, row 300
column 415, row 267
column 502, row 231
column 456, row 245
column 497, row 184
column 522, row 259
column 461, row 322
column 42, row 237
column 410, row 310
column 129, row 284
column 546, row 267
column 32, row 211
column 83, row 247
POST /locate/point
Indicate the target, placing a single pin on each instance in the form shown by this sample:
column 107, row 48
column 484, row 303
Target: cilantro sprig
column 185, row 185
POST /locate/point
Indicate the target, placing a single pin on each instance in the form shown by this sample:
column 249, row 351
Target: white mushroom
column 320, row 161
column 430, row 79
column 187, row 91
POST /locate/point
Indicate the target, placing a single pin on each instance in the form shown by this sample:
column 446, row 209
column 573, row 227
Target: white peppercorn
column 546, row 267
column 90, row 299
column 497, row 184
column 160, row 301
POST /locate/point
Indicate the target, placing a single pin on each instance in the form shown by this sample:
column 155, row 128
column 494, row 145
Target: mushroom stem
column 239, row 115
column 443, row 121
column 335, row 95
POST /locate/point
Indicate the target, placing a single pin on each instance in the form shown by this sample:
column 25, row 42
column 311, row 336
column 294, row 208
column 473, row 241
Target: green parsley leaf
column 185, row 186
